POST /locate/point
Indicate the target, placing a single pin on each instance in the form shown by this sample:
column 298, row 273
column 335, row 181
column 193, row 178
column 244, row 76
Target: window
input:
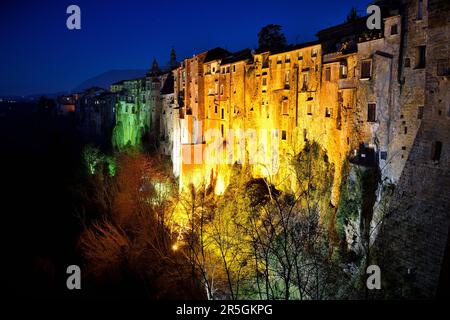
column 343, row 71
column 436, row 150
column 283, row 135
column 288, row 59
column 327, row 74
column 234, row 68
column 216, row 88
column 264, row 81
column 371, row 112
column 366, row 69
column 215, row 109
column 328, row 112
column 222, row 130
column 419, row 9
column 221, row 90
column 406, row 130
column 314, row 52
column 228, row 69
column 420, row 57
column 285, row 107
column 222, row 116
column 448, row 111
column 305, row 135
column 194, row 130
column 279, row 60
column 286, row 78
column 300, row 56
column 443, row 68
column 305, row 81
column 383, row 155
column 208, row 68
column 420, row 113
column 407, row 62
column 394, row 29
column 309, row 110
column 189, row 111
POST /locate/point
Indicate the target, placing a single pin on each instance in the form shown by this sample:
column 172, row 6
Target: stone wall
column 416, row 228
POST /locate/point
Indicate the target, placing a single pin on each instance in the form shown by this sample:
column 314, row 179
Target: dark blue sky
column 38, row 54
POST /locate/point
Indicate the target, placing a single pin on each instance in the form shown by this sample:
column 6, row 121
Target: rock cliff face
column 416, row 229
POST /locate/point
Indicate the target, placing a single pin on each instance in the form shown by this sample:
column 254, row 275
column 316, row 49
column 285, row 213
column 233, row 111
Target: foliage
column 256, row 242
column 353, row 15
column 129, row 242
column 94, row 161
column 271, row 38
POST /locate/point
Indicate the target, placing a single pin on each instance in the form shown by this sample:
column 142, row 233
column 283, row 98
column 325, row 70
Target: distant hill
column 105, row 79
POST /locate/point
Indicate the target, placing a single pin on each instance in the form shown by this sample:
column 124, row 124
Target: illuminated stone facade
column 377, row 99
column 132, row 114
column 259, row 110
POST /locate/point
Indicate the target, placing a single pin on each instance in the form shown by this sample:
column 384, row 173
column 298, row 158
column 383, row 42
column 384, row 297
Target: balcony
column 347, row 83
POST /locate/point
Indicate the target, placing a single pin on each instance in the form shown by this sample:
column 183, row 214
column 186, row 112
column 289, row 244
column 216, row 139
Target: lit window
column 305, row 81
column 285, row 107
column 343, row 71
column 286, row 77
column 327, row 74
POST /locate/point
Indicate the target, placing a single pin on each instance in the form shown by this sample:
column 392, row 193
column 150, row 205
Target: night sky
column 40, row 55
